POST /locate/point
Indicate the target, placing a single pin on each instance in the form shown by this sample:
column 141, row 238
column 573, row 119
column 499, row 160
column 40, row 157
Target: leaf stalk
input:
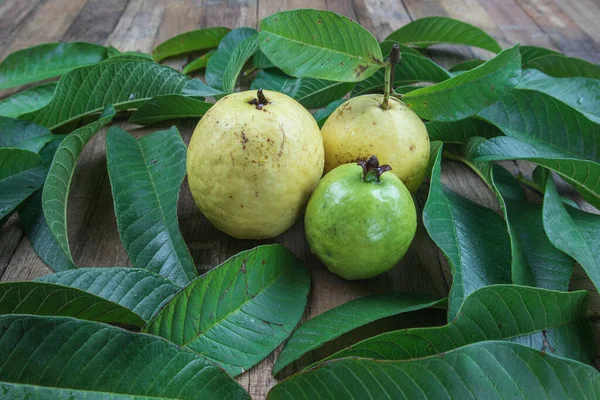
column 390, row 72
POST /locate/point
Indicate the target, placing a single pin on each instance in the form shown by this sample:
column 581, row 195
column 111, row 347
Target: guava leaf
column 583, row 94
column 529, row 53
column 168, row 107
column 198, row 63
column 472, row 237
column 222, row 57
column 40, row 236
column 410, row 69
column 559, row 66
column 145, row 175
column 260, row 61
column 460, row 131
column 491, row 370
column 40, row 298
column 536, row 262
column 47, row 61
column 23, row 135
column 428, row 31
column 324, row 113
column 319, row 44
column 138, row 290
column 122, row 83
column 310, row 92
column 197, row 88
column 239, row 312
column 92, row 357
column 548, row 132
column 497, row 312
column 22, row 172
column 188, row 42
column 342, row 319
column 466, row 65
column 470, row 92
column 573, row 231
column 239, row 56
column 28, row 100
column 55, row 195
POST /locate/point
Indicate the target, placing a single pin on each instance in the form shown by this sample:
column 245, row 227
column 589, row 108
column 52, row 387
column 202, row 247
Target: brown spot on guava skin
column 412, row 147
column 244, row 140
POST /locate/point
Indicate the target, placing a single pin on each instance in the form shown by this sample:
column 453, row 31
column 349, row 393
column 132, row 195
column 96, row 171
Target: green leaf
column 197, row 88
column 498, row 312
column 573, row 231
column 428, row 31
column 239, row 312
column 168, row 107
column 188, row 42
column 310, row 92
column 260, row 61
column 560, row 66
column 198, row 63
column 529, row 53
column 21, row 173
column 58, row 183
column 324, row 113
column 548, row 132
column 122, row 83
column 472, row 237
column 28, row 100
column 490, row 370
column 466, row 65
column 583, row 94
column 342, row 319
column 319, row 44
column 23, row 135
column 239, row 56
column 410, row 69
column 470, row 92
column 460, row 131
column 82, row 357
column 136, row 289
column 40, row 298
column 40, row 236
column 218, row 62
column 145, row 175
column 536, row 262
column 47, row 61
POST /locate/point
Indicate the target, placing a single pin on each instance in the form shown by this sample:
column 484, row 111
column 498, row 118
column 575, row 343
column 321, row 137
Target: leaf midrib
column 370, row 62
column 237, row 309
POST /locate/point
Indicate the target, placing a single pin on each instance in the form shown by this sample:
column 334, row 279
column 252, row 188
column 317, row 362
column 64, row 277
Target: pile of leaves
column 160, row 330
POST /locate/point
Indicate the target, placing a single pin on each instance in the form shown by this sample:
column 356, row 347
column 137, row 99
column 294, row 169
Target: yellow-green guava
column 360, row 127
column 252, row 163
column 360, row 221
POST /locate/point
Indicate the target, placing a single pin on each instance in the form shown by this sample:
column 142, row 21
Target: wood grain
column 139, row 25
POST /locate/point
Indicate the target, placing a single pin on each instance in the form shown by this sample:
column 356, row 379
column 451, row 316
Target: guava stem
column 260, row 101
column 372, row 170
column 249, row 71
column 390, row 72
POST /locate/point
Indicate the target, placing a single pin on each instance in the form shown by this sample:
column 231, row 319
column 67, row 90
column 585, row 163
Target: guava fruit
column 360, row 221
column 252, row 163
column 361, row 127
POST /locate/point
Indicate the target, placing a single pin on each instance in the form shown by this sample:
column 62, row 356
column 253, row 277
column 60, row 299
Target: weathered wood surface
column 570, row 27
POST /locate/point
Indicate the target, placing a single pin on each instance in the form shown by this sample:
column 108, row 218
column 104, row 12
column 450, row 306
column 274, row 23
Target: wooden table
column 568, row 26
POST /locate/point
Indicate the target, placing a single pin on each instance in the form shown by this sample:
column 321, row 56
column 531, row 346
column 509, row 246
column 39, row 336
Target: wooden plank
column 48, row 23
column 137, row 26
column 585, row 14
column 95, row 22
column 12, row 15
column 565, row 32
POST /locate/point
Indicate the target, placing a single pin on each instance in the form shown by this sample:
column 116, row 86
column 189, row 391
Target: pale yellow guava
column 360, row 128
column 252, row 167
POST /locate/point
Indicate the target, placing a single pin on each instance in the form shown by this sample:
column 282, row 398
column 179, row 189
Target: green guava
column 253, row 161
column 360, row 221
